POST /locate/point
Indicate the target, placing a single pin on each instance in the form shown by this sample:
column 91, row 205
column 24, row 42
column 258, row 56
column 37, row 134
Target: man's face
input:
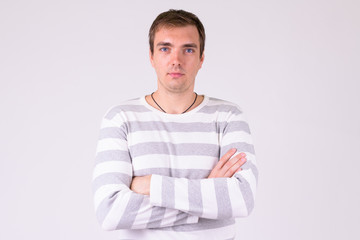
column 176, row 58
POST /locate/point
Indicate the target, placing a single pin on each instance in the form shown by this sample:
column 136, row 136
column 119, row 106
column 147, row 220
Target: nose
column 176, row 58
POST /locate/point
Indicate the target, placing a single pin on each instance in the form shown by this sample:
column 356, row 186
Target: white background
column 293, row 66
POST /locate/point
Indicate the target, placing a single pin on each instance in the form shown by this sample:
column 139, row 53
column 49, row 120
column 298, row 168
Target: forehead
column 188, row 34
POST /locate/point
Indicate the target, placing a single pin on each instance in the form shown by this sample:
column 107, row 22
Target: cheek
column 160, row 64
column 195, row 68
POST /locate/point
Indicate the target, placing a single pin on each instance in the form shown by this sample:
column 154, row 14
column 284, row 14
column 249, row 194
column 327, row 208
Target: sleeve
column 215, row 198
column 116, row 206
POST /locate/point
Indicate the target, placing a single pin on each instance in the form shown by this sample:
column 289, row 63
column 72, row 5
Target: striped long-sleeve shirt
column 179, row 150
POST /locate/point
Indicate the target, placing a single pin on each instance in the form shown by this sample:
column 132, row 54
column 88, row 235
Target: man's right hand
column 227, row 166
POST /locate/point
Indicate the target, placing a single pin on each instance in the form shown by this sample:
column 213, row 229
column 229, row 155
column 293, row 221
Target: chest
column 187, row 150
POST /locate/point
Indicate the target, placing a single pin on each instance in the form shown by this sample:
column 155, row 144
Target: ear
column 202, row 59
column 151, row 58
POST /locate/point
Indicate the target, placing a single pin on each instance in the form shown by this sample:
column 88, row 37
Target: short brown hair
column 176, row 18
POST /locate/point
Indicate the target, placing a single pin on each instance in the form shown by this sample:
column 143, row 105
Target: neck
column 174, row 103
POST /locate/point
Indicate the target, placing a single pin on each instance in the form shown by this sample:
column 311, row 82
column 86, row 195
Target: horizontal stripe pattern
column 180, row 152
column 112, row 166
column 112, row 155
column 129, row 118
column 209, row 230
column 202, row 125
column 107, row 144
column 183, row 149
column 175, row 162
column 174, row 137
column 178, row 173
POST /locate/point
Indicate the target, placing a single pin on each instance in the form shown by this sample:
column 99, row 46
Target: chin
column 178, row 89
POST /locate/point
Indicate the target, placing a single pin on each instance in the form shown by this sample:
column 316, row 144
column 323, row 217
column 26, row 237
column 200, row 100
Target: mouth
column 176, row 74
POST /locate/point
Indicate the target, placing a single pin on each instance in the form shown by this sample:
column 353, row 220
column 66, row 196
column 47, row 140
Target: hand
column 141, row 185
column 227, row 166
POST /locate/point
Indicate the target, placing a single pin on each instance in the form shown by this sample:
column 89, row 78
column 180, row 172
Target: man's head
column 176, row 50
column 177, row 18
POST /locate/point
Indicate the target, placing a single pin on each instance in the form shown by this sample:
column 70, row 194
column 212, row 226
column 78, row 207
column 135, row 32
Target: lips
column 176, row 74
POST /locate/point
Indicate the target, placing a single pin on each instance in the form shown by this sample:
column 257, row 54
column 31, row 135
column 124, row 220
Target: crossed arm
column 124, row 202
column 225, row 168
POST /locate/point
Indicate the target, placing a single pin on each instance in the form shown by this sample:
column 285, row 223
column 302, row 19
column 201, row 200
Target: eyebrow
column 192, row 45
column 167, row 44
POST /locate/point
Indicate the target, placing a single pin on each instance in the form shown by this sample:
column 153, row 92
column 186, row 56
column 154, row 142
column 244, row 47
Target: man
column 174, row 164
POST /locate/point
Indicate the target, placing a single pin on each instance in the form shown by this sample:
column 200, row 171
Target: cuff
column 155, row 190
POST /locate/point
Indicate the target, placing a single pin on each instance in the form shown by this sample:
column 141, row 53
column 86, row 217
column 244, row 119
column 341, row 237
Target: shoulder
column 128, row 106
column 220, row 105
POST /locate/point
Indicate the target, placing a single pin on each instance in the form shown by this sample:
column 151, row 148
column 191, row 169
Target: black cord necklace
column 164, row 110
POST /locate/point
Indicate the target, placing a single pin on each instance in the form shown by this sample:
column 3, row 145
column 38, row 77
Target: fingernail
column 242, row 154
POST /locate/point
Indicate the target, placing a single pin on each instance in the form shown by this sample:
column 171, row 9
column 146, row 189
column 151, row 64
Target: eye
column 189, row 50
column 164, row 49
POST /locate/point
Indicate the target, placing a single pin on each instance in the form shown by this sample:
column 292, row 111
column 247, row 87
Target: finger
column 225, row 158
column 233, row 169
column 217, row 171
column 229, row 164
column 223, row 172
column 239, row 170
column 228, row 154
